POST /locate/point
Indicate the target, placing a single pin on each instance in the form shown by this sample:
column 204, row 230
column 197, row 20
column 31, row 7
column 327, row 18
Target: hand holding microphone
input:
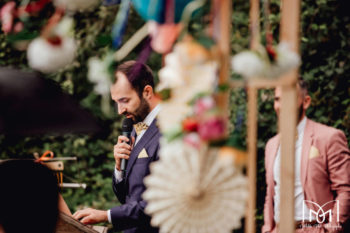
column 123, row 148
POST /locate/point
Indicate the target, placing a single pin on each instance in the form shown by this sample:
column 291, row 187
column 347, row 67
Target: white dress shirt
column 148, row 121
column 298, row 188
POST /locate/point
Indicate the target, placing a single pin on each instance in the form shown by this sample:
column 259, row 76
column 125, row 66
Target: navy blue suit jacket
column 130, row 216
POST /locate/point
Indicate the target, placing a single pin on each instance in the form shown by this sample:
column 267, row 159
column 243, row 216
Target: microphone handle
column 124, row 162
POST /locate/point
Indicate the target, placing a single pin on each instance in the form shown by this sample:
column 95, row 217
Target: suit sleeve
column 119, row 189
column 338, row 157
column 131, row 214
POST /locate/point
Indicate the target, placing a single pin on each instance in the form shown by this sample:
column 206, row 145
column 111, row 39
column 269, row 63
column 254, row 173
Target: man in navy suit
column 133, row 91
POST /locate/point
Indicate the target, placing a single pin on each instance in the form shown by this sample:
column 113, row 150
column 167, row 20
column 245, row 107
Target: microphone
column 127, row 126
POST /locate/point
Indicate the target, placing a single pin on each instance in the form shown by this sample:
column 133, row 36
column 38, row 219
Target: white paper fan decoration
column 194, row 191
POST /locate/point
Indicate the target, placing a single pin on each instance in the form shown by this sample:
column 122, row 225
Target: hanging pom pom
column 55, row 49
column 51, row 54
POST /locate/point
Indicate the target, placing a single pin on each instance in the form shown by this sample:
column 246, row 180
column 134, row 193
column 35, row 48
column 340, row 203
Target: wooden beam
column 264, row 83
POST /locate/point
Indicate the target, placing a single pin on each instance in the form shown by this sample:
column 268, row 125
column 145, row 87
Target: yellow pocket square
column 143, row 154
column 313, row 152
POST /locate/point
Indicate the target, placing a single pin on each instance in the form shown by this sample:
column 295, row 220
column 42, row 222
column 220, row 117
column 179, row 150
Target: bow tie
column 139, row 127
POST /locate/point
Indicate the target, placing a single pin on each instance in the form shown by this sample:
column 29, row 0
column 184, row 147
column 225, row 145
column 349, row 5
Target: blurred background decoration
column 90, row 25
column 32, row 105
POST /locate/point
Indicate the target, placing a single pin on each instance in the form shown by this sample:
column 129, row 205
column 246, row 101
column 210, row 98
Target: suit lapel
column 307, row 142
column 150, row 132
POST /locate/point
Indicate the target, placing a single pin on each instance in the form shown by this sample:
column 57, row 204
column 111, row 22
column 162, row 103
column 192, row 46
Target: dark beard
column 142, row 111
column 300, row 113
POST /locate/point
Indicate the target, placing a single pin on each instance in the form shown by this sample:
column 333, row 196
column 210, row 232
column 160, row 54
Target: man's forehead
column 122, row 80
column 122, row 88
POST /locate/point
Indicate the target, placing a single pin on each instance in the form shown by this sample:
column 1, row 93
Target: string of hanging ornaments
column 270, row 61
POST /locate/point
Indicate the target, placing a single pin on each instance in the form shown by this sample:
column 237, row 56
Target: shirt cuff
column 118, row 175
column 109, row 216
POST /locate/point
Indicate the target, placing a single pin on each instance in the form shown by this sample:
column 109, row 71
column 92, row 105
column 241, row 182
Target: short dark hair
column 28, row 197
column 304, row 86
column 138, row 74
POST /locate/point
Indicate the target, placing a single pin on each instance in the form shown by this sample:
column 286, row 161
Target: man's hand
column 122, row 150
column 91, row 216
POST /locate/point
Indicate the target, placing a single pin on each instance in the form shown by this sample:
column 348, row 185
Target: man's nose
column 121, row 109
column 276, row 106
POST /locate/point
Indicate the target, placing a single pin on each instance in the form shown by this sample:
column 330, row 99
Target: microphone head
column 127, row 125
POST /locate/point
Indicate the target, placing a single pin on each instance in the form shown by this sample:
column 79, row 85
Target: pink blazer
column 325, row 171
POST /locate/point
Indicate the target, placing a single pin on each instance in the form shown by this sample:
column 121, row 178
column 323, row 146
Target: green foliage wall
column 325, row 27
column 94, row 152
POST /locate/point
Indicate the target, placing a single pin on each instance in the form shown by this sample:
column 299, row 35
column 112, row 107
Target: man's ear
column 307, row 102
column 147, row 92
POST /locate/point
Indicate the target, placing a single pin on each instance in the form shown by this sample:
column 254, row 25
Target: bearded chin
column 300, row 113
column 142, row 111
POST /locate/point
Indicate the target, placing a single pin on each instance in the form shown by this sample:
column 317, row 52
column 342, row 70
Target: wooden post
column 287, row 126
column 288, row 117
column 254, row 24
column 222, row 21
column 251, row 169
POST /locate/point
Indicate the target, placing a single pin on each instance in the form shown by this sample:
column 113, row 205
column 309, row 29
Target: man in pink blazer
column 322, row 174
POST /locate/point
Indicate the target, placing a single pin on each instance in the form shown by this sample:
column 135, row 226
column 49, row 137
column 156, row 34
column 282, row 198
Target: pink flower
column 18, row 27
column 212, row 129
column 203, row 104
column 7, row 15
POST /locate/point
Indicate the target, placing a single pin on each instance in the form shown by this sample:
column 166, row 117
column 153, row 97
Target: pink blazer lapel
column 272, row 152
column 307, row 142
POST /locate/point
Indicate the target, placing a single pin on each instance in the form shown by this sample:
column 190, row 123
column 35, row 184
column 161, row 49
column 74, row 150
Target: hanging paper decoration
column 268, row 63
column 189, row 71
column 163, row 35
column 155, row 9
column 120, row 23
column 110, row 2
column 54, row 49
column 194, row 190
column 77, row 5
